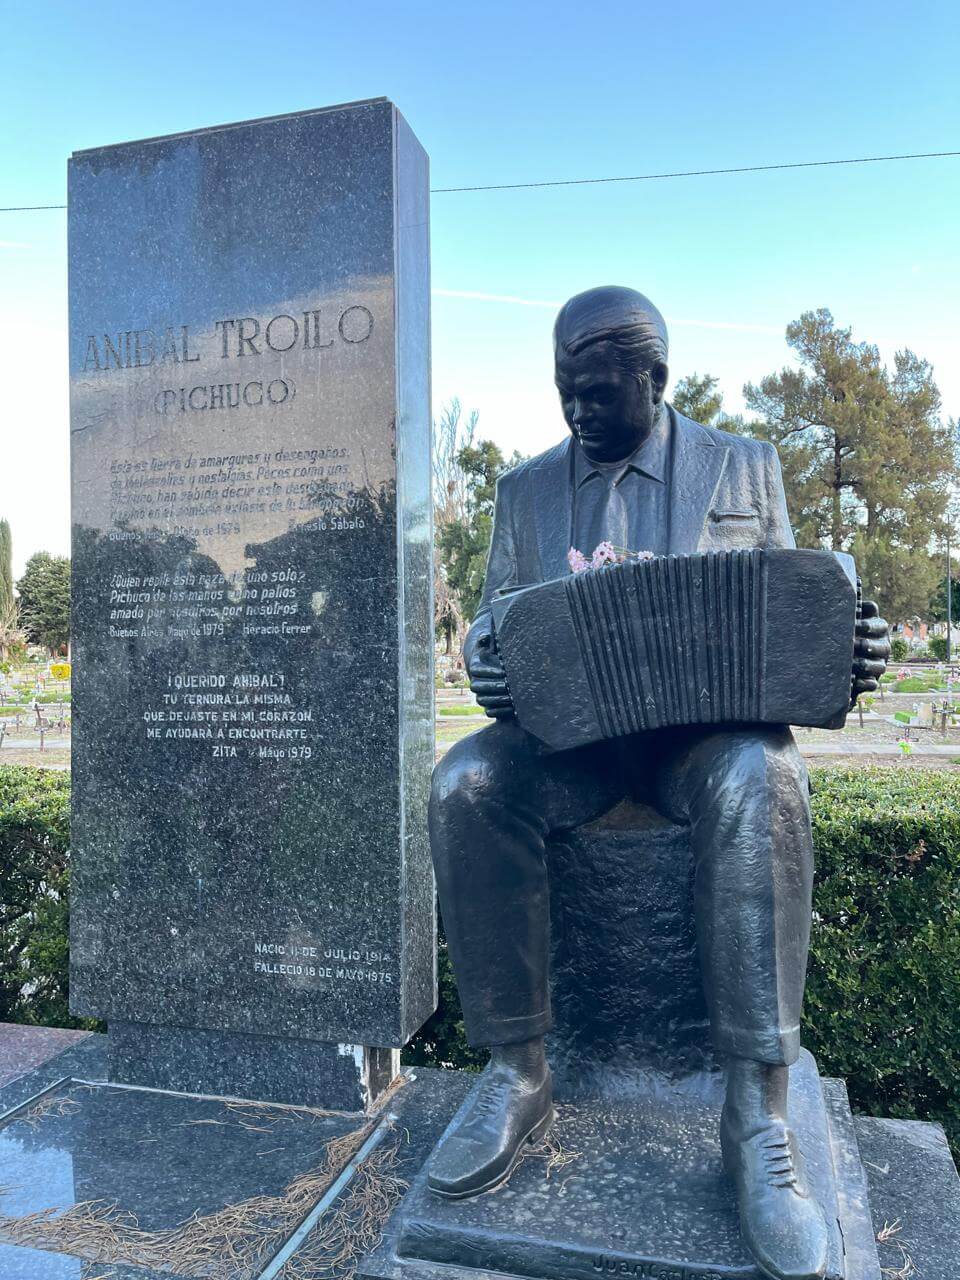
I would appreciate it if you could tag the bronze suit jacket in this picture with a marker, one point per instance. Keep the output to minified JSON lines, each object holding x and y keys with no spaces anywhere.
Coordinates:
{"x":725,"y":491}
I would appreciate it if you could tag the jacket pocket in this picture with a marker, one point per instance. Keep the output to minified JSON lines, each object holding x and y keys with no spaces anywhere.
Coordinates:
{"x":734,"y":517}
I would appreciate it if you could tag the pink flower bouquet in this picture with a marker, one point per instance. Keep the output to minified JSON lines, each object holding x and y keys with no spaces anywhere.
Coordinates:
{"x":605,"y":553}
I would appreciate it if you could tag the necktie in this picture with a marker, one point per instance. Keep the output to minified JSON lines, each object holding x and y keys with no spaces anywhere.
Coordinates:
{"x":615,"y":521}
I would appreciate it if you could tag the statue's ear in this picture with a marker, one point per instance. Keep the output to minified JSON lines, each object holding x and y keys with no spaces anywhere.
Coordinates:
{"x":658,"y":378}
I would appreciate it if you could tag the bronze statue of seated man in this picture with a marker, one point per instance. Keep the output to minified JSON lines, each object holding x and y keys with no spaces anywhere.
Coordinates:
{"x":640,"y":475}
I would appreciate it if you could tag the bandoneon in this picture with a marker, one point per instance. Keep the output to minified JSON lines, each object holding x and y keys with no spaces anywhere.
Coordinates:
{"x":726,"y":637}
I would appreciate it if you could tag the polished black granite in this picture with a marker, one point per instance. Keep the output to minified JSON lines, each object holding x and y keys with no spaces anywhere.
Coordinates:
{"x":24,"y":1047}
{"x":253,"y":702}
{"x":86,"y":1061}
{"x":147,"y":1153}
{"x":643,"y":1194}
{"x":915,"y":1190}
{"x":269,"y":1068}
{"x":37,"y":1264}
{"x":161,"y":1157}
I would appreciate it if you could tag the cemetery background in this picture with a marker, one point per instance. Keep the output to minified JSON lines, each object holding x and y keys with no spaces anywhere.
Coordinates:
{"x":887,"y":843}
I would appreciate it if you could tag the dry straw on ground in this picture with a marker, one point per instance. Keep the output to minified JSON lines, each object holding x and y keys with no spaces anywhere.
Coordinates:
{"x":905,"y":1269}
{"x":355,"y":1225}
{"x":236,"y":1241}
{"x":553,"y":1149}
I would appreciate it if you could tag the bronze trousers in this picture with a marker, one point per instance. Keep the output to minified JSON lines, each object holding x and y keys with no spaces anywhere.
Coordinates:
{"x":499,"y":795}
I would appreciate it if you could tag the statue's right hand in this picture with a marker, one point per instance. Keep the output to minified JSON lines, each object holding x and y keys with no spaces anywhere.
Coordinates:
{"x":488,"y":679}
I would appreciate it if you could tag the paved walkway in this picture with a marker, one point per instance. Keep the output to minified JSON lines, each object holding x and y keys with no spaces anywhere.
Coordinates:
{"x":22,"y":1047}
{"x":848,"y":748}
{"x":844,"y":746}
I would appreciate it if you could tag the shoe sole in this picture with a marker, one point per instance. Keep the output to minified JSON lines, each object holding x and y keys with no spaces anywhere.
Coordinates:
{"x":534,"y":1136}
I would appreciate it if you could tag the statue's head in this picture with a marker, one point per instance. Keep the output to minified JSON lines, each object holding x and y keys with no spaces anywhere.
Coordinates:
{"x":610,"y":357}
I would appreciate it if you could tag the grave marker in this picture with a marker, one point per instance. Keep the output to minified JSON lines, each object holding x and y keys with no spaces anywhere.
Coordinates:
{"x":253,"y":681}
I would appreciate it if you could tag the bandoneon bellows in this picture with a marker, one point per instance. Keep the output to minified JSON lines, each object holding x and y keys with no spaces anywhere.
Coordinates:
{"x":729,"y":637}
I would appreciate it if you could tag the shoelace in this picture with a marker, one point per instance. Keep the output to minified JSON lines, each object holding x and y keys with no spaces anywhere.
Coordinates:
{"x":778,"y":1157}
{"x":490,"y":1097}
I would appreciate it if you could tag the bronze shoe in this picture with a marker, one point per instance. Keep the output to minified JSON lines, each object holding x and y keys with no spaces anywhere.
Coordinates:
{"x":482,"y":1151}
{"x":781,"y":1223}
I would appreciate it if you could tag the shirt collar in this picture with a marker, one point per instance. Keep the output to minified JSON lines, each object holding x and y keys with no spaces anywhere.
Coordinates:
{"x":650,"y":459}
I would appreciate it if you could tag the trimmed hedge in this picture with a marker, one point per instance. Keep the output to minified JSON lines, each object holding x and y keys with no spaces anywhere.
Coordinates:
{"x":883,"y":991}
{"x":34,"y":896}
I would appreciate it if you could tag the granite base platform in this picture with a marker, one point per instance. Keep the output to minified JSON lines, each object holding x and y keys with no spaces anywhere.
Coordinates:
{"x":135,"y":1165}
{"x":637,"y":1189}
{"x":306,"y":1073}
{"x":67,"y":1136}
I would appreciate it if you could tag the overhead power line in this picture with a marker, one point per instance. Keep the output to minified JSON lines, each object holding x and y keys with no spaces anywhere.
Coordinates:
{"x":695,"y":173}
{"x":633,"y":177}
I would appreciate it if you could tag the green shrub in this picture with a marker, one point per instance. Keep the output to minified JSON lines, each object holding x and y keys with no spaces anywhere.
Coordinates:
{"x":34,"y":901}
{"x":883,"y":990}
{"x":898,"y":649}
{"x":938,"y":647}
{"x":916,"y":684}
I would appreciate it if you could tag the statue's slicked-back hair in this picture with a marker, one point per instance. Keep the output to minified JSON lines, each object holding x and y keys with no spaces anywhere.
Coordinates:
{"x":624,"y":318}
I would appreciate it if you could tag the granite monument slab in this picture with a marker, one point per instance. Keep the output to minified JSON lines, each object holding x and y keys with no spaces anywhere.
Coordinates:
{"x":253,"y":693}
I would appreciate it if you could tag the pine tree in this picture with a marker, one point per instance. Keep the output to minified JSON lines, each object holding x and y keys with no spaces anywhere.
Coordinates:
{"x":6,"y":570}
{"x":44,"y":592}
{"x":867,"y":462}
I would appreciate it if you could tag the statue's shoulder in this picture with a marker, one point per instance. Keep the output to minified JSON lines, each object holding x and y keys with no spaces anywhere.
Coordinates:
{"x":746,"y":449}
{"x":557,"y":456}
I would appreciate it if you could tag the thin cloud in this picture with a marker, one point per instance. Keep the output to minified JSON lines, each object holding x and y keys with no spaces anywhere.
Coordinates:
{"x":553,"y":305}
{"x":495,"y":297}
{"x":741,"y":326}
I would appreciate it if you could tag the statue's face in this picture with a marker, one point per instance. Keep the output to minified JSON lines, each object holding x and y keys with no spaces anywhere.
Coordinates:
{"x":611,"y":412}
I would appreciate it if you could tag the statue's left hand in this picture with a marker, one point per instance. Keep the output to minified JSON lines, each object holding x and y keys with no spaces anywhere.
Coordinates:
{"x":871,"y":649}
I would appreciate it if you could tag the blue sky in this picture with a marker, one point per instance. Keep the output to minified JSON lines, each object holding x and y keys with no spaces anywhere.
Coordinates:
{"x":524,"y":92}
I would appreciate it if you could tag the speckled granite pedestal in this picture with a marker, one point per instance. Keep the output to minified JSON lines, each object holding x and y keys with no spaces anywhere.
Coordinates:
{"x":640,"y":1191}
{"x":63,"y":1141}
{"x":643,"y":1195}
{"x":252,"y":902}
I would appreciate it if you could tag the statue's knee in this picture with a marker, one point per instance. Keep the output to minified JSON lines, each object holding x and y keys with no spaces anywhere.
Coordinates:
{"x":781,"y":764}
{"x":747,"y":768}
{"x":463,"y":778}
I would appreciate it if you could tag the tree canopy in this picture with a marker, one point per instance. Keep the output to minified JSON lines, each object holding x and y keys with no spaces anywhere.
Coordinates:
{"x":466,"y":471}
{"x":697,"y":397}
{"x":6,"y":569}
{"x":867,"y":461}
{"x":44,"y":592}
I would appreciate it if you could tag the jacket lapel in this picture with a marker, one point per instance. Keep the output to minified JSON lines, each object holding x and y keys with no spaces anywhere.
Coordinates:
{"x":698,"y":463}
{"x":551,"y":482}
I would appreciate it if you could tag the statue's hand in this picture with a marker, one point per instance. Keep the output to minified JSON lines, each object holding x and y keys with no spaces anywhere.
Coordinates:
{"x":488,"y":679}
{"x":871,"y":649}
